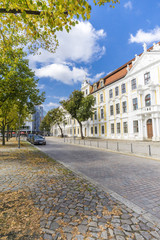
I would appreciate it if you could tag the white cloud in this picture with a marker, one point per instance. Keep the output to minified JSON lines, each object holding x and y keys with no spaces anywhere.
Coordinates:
{"x":41,"y":86}
{"x":128,"y":5}
{"x":80,"y":45}
{"x":62,"y":72}
{"x":52,"y":104}
{"x":97,"y":77}
{"x":147,"y":37}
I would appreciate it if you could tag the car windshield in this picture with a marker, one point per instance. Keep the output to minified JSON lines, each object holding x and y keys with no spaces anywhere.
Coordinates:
{"x":39,"y":137}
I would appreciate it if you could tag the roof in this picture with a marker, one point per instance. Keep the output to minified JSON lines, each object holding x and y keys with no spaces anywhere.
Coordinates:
{"x":117,"y":74}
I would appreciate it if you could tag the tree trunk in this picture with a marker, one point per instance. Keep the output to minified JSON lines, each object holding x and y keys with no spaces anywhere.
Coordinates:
{"x":80,"y":124}
{"x":3,"y":134}
{"x":7,"y":133}
{"x":60,"y":130}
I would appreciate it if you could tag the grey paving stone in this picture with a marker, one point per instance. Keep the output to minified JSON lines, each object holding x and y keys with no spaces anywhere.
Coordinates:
{"x":47,"y":237}
{"x":54,"y":226}
{"x":82,"y":229}
{"x":138,"y":236}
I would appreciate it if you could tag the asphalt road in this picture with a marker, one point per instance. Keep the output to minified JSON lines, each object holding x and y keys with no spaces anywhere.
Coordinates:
{"x":136,"y":179}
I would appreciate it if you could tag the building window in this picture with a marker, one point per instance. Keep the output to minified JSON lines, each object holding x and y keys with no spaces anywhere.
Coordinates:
{"x":86,"y":91}
{"x":135,"y":126}
{"x":112,"y":127}
{"x":135,"y":103}
{"x":124,"y":106}
{"x":110,"y":93}
{"x":146,"y":78}
{"x":92,"y":117}
{"x":148,"y":100}
{"x":101,"y":83}
{"x":102,"y":113}
{"x":111,"y":110}
{"x":125,"y":127}
{"x":101,"y":97}
{"x":102,"y":129}
{"x":117,"y":108}
{"x":91,"y":130}
{"x":123,"y":88}
{"x":133,"y":84}
{"x":118,"y":128}
{"x":117,"y":91}
{"x":95,"y":129}
{"x":95,"y":115}
{"x":95,"y":87}
{"x":71,"y":131}
{"x":74,"y":131}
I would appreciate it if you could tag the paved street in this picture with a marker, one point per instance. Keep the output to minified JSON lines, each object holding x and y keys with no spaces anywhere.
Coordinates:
{"x":136,"y":179}
{"x":41,"y":199}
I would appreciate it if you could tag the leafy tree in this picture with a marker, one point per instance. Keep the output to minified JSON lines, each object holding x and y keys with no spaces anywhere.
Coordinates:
{"x":57,"y":116}
{"x":17,"y":81}
{"x":18,"y":88}
{"x":10,"y":118}
{"x":80,"y":107}
{"x":38,"y":21}
{"x":45,"y":124}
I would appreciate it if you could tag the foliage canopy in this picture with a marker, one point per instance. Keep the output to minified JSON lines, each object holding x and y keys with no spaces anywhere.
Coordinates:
{"x":38,"y":21}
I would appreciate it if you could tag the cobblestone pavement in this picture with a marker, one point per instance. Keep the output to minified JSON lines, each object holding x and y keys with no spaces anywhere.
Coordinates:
{"x":72,"y":207}
{"x":134,"y":178}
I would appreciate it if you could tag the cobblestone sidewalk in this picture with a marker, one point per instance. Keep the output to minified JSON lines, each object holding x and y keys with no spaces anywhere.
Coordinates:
{"x":71,"y":207}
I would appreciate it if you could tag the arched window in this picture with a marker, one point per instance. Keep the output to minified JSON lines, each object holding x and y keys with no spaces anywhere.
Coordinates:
{"x":148,"y":100}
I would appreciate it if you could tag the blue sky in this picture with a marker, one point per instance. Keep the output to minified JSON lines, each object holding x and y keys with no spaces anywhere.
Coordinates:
{"x":109,"y":39}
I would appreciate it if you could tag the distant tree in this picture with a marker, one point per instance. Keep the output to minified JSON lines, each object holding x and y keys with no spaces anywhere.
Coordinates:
{"x":38,"y":21}
{"x":79,"y":107}
{"x":57,"y":116}
{"x":45,"y":124}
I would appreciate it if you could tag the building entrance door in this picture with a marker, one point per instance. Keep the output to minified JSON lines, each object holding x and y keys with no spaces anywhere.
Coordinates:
{"x":149,"y":128}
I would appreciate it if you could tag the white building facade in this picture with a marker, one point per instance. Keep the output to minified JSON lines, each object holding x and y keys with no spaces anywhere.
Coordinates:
{"x":127,"y":101}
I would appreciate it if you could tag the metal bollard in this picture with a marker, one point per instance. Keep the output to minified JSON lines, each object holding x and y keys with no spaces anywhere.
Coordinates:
{"x":149,"y":150}
{"x":117,"y":146}
{"x":131,"y":148}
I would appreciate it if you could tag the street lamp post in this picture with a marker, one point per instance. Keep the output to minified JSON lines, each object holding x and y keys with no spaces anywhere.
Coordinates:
{"x":64,"y":131}
{"x":19,"y":131}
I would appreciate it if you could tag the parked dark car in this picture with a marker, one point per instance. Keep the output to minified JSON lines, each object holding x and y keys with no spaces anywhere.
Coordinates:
{"x":29,"y":137}
{"x":37,"y":139}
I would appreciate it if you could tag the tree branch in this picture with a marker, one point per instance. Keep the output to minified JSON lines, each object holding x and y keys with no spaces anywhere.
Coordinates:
{"x":3,"y":10}
{"x":15,"y":11}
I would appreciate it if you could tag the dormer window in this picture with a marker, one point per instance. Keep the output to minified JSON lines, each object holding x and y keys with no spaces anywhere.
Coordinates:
{"x":146,"y":78}
{"x":95,"y":87}
{"x":101,"y":83}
